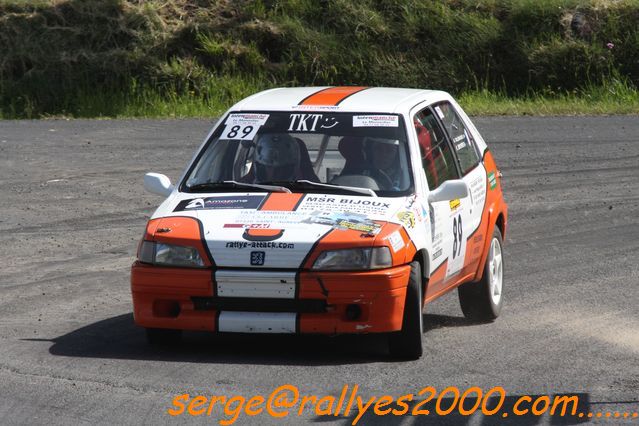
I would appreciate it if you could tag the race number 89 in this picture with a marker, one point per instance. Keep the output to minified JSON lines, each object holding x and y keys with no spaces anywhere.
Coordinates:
{"x":239,"y":132}
{"x":243,"y":126}
{"x":457,"y":236}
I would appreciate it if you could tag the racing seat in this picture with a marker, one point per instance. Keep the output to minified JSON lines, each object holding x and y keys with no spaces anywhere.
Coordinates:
{"x":305,"y":166}
{"x":351,"y":149}
{"x":425,"y":147}
{"x":352,"y":174}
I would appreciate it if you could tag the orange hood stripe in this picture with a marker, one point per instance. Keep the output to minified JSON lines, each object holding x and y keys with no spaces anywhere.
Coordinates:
{"x":275,"y":201}
{"x":331,"y":96}
{"x":280,"y":201}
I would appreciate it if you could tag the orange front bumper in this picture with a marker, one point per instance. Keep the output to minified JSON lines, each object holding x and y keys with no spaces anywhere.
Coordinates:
{"x":163,"y":298}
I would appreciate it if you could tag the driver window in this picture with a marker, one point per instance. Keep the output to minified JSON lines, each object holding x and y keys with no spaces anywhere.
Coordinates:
{"x":437,"y":158}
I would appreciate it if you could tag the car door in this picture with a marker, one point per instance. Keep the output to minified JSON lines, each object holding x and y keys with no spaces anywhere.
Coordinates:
{"x":473,"y":173}
{"x":446,"y":217}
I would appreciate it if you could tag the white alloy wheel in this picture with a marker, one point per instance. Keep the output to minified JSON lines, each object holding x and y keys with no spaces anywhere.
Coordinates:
{"x":496,"y":273}
{"x":482,"y":300}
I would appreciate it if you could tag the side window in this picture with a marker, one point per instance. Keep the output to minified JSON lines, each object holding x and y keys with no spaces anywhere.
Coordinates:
{"x":437,"y":158}
{"x":459,"y":136}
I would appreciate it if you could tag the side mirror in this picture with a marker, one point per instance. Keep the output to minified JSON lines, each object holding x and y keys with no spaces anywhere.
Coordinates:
{"x":157,"y":183}
{"x":449,"y":190}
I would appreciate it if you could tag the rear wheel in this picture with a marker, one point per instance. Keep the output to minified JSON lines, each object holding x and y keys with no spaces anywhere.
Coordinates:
{"x":407,"y":343}
{"x":163,"y":336}
{"x":482,"y":300}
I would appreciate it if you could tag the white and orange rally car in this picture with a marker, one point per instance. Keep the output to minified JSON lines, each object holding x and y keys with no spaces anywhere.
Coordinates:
{"x":325,"y":210}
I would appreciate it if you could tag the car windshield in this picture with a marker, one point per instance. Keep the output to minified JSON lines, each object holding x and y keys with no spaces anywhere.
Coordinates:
{"x":305,"y":152}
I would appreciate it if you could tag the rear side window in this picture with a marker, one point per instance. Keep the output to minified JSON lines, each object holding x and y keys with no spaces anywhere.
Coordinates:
{"x":437,"y":157}
{"x":460,"y":137}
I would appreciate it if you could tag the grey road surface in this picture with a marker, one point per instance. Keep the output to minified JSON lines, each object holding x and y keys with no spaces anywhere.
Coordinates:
{"x":73,"y":209}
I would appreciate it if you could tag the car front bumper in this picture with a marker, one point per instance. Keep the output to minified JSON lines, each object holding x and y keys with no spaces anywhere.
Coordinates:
{"x":310,"y":302}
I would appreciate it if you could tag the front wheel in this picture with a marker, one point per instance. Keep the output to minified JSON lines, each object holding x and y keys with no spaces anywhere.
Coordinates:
{"x":407,"y":343}
{"x":482,"y":300}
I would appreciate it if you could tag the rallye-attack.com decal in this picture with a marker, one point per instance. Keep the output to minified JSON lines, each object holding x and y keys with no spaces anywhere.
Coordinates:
{"x":248,"y":231}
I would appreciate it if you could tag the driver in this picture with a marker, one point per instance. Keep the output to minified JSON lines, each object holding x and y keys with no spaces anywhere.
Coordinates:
{"x":277,"y":158}
{"x":383,"y":162}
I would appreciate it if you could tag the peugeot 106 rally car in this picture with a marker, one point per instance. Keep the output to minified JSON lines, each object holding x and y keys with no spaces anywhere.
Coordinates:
{"x":325,"y":210}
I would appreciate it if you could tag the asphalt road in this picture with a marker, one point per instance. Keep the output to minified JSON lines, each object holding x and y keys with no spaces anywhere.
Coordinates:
{"x":73,"y":208}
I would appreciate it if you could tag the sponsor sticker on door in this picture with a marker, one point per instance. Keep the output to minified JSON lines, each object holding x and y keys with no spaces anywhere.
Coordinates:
{"x":492,"y":180}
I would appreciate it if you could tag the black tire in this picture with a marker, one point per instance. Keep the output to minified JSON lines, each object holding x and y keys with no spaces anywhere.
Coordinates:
{"x":163,"y":336}
{"x":407,"y":343}
{"x":475,"y":298}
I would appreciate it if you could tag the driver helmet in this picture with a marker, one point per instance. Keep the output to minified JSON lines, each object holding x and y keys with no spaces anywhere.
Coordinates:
{"x":380,"y":152}
{"x":277,"y":156}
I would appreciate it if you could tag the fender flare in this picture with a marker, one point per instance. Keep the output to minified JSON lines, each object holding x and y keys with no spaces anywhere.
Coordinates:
{"x":423,"y":257}
{"x":492,"y":222}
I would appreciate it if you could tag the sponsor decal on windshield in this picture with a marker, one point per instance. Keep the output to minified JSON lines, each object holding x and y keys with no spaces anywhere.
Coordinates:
{"x":243,"y":126}
{"x":215,"y":203}
{"x":375,"y":121}
{"x":316,"y":107}
{"x":310,"y":122}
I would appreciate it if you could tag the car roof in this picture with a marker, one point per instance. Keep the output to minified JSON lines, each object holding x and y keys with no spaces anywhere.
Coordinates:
{"x":338,"y":98}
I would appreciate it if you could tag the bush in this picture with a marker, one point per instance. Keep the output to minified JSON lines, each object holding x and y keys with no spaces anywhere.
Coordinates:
{"x":56,"y":54}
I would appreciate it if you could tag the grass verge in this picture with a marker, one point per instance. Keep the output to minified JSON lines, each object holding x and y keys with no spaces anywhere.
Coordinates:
{"x":612,"y":97}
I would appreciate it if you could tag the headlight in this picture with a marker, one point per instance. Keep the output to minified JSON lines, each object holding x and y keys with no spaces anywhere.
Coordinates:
{"x":169,"y":255}
{"x":352,"y":259}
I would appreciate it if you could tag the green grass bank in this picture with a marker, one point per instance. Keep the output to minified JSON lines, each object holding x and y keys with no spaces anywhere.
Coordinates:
{"x":178,"y":58}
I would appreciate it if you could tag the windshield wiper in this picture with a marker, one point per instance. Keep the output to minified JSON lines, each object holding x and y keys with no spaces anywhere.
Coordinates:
{"x":234,"y":184}
{"x":359,"y":190}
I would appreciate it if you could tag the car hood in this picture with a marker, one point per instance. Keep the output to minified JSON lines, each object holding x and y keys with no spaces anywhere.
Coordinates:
{"x":281,"y":230}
